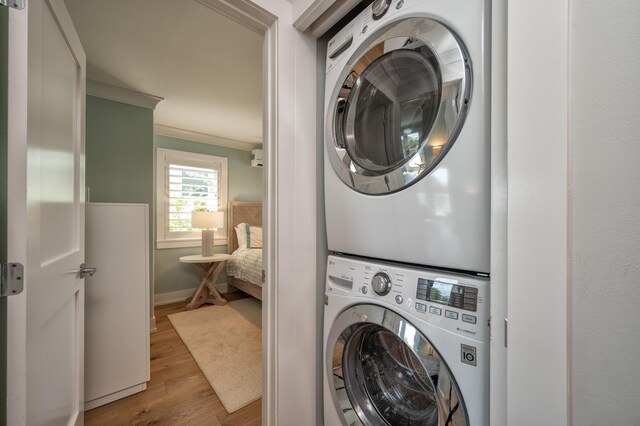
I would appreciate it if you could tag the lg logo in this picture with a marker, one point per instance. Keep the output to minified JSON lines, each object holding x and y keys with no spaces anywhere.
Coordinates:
{"x":468,"y":354}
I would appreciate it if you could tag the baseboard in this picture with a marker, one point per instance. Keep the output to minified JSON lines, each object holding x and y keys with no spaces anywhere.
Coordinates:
{"x":181,"y":295}
{"x":90,"y":405}
{"x":172,"y":297}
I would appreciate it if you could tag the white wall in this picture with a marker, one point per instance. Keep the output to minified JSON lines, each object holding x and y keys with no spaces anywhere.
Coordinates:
{"x":605,"y":211}
{"x":498,"y":365}
{"x":537,"y":213}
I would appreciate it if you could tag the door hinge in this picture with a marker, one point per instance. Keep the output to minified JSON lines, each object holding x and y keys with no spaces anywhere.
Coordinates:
{"x":16,"y":4}
{"x":264,"y":274}
{"x":11,"y":279}
{"x":87,"y":270}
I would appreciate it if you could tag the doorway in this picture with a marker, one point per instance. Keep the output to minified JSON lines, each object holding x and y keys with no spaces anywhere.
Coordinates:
{"x":208,"y":71}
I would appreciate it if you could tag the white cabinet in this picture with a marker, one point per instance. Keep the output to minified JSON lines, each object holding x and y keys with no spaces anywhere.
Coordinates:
{"x":117,"y":302}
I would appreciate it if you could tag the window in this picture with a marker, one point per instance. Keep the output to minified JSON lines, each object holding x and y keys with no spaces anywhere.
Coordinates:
{"x":185,"y":182}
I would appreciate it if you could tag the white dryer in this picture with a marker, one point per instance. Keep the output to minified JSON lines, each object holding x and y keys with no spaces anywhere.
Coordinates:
{"x":407,"y":161}
{"x":404,"y":346}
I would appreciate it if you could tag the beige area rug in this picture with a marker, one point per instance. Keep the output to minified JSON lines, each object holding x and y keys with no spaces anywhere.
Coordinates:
{"x":226,"y":343}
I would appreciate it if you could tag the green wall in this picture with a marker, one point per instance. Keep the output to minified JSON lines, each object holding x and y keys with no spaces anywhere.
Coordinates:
{"x":119,"y":152}
{"x":4,"y":32}
{"x":119,"y":157}
{"x":245,"y":184}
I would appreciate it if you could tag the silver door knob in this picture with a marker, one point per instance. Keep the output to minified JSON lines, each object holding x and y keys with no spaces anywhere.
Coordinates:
{"x":84,"y":270}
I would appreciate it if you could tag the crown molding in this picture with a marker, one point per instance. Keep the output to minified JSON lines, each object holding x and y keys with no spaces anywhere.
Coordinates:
{"x":243,"y":13}
{"x":120,"y":94}
{"x":174,"y":132}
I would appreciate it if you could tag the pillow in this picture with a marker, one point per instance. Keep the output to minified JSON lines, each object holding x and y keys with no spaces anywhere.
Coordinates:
{"x":249,"y":236}
{"x":255,"y":237}
{"x":241,"y":236}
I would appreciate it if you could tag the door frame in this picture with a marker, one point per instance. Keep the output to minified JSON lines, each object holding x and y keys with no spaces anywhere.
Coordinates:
{"x":290,"y":302}
{"x":17,"y":215}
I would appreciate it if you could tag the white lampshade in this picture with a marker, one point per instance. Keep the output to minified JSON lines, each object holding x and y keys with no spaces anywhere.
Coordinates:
{"x":207,"y":220}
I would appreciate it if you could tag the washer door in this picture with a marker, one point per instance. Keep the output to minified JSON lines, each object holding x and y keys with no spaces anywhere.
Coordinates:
{"x":383,"y":371}
{"x":398,"y":106}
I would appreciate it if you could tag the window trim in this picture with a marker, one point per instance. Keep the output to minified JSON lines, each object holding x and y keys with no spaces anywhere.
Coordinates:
{"x":162,"y":239}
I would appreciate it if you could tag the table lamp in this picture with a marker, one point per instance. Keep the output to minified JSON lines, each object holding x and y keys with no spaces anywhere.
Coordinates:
{"x":208,"y":222}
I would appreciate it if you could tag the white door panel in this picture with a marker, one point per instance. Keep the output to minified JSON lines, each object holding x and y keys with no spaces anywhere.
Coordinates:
{"x":53,"y":374}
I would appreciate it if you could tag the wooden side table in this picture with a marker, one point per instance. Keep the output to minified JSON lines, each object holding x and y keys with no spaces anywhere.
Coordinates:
{"x":209,"y":268}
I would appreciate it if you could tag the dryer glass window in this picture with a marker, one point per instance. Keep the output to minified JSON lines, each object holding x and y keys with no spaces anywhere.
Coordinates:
{"x":398,"y":106}
{"x":392,"y":108}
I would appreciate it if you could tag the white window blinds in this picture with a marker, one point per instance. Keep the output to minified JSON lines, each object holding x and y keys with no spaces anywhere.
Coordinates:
{"x":186,"y":182}
{"x":189,"y":188}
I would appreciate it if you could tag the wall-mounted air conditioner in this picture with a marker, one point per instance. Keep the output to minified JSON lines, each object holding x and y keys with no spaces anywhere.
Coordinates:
{"x":256,"y":158}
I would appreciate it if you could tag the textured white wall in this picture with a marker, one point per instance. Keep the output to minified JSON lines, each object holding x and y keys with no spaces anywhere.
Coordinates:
{"x":604,"y":123}
{"x":537,"y":213}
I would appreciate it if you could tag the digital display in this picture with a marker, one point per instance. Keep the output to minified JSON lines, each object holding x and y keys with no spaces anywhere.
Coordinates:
{"x":440,"y":292}
{"x":448,"y":294}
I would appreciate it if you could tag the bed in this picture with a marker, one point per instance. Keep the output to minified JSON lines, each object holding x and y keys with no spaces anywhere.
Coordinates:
{"x":244,"y":269}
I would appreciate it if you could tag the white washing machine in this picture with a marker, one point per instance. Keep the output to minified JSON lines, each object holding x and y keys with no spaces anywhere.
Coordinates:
{"x":407,"y":161}
{"x":404,"y":346}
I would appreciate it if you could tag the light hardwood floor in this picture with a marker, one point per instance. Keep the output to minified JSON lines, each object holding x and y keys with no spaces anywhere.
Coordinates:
{"x":178,"y":393}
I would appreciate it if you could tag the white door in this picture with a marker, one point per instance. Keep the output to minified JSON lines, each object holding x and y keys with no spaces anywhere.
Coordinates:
{"x":46,"y":324}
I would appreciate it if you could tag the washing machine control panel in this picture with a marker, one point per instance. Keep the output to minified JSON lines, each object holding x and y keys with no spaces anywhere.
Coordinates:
{"x":449,"y":293}
{"x":456,"y":302}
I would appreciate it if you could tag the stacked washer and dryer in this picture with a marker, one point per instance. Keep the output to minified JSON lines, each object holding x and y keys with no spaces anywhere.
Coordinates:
{"x":407,"y":195}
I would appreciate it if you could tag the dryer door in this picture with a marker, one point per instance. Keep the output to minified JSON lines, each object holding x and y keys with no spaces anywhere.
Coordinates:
{"x":398,"y":107}
{"x":384,"y":371}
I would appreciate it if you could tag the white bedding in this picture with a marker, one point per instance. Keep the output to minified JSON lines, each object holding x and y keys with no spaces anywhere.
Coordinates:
{"x":246,"y":264}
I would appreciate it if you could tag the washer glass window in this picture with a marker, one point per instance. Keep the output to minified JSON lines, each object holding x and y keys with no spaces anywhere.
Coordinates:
{"x":392,"y":377}
{"x":385,"y":372}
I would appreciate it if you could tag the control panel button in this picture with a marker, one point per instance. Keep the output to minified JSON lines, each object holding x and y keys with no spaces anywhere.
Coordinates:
{"x":364,"y":29}
{"x":399,"y":299}
{"x":365,"y":289}
{"x":421,"y":308}
{"x":381,"y":283}
{"x":451,"y":314}
{"x":469,"y":318}
{"x":399,"y":4}
{"x":470,"y":306}
{"x":435,"y":311}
